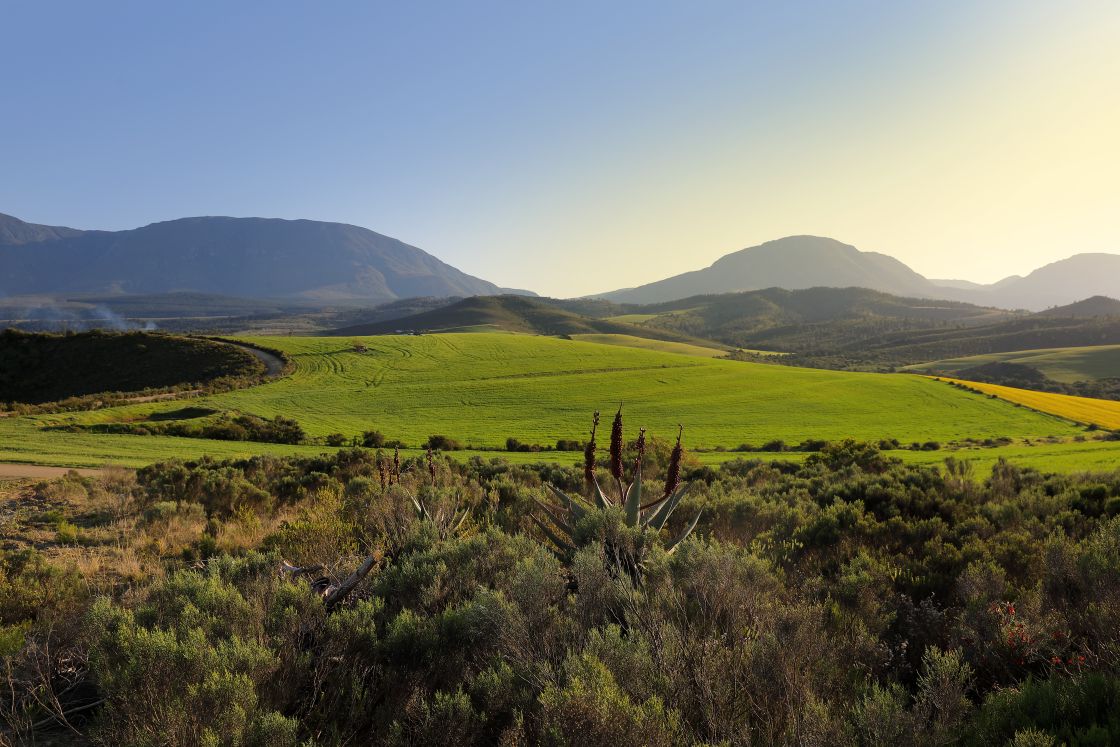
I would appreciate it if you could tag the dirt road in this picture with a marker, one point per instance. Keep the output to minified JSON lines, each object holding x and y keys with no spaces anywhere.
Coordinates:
{"x":16,"y":471}
{"x":271,"y":362}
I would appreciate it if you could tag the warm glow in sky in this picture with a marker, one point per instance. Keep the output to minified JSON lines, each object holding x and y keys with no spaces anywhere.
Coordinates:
{"x":578,"y":147}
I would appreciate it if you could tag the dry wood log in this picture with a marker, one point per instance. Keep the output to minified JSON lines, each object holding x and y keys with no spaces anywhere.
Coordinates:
{"x":331,"y":593}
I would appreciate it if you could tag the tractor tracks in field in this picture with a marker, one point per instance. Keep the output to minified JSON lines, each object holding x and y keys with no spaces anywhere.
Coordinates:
{"x":577,"y":372}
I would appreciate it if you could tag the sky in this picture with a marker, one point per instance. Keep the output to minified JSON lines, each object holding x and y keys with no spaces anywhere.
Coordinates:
{"x":577,"y":147}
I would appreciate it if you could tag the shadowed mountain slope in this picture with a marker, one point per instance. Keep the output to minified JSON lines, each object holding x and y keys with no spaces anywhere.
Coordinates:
{"x":246,"y":257}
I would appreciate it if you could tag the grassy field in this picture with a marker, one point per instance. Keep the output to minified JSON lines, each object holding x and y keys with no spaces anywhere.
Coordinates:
{"x":24,"y":442}
{"x":483,"y":388}
{"x":1067,"y":365}
{"x":664,"y":346}
{"x":1101,"y":412}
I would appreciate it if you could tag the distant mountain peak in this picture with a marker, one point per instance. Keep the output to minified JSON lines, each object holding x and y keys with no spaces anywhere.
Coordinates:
{"x":791,"y":262}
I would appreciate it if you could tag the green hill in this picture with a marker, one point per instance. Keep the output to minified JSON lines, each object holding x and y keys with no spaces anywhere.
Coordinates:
{"x":796,"y":319}
{"x":860,"y":328}
{"x":1066,"y":365}
{"x":508,"y":314}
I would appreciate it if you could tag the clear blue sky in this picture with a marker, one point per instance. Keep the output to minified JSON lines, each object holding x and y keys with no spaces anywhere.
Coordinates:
{"x":579,"y":146}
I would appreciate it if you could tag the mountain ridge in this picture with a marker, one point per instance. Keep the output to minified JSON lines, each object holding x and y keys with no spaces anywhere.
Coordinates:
{"x":243,"y":257}
{"x":802,"y":261}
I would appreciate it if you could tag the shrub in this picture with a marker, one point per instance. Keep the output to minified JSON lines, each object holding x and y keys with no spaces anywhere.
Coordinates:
{"x":373,"y":439}
{"x":443,"y":443}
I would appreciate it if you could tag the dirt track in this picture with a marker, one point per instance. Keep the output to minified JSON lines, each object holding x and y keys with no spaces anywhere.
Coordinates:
{"x":15,"y":471}
{"x":272,"y":362}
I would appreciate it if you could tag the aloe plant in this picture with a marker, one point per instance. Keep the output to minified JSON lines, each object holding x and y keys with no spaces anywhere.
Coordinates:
{"x":650,"y":514}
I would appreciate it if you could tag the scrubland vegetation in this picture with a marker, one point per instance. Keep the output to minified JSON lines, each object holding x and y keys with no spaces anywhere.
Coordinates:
{"x":850,"y":599}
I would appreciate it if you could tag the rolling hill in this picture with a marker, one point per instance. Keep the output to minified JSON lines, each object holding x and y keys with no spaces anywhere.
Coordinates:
{"x":846,"y":328}
{"x":836,"y":326}
{"x":1066,"y":365}
{"x":508,"y":314}
{"x":243,"y":257}
{"x":861,"y":329}
{"x":1087,"y":309}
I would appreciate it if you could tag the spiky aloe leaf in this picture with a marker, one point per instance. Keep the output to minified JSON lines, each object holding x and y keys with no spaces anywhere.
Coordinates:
{"x":684,"y":535}
{"x":555,"y":514}
{"x":578,"y":511}
{"x":420,"y":510}
{"x":658,"y":518}
{"x":551,"y":534}
{"x":601,"y":498}
{"x":634,"y":500}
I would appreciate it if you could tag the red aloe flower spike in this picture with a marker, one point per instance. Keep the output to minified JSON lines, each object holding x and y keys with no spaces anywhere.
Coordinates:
{"x":616,"y":447}
{"x":641,"y":451}
{"x":673,"y":474}
{"x":589,"y":453}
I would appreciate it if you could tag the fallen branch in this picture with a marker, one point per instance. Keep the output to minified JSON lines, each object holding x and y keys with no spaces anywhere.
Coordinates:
{"x":338,"y":594}
{"x":331,"y":593}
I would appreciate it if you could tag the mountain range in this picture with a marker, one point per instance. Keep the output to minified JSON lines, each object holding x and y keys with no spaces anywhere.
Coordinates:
{"x":243,"y":257}
{"x":331,"y":263}
{"x":799,"y":262}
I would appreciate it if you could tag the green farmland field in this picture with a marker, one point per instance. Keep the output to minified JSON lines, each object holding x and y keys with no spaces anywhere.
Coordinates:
{"x":1067,"y":365}
{"x":483,"y":388}
{"x":23,"y":442}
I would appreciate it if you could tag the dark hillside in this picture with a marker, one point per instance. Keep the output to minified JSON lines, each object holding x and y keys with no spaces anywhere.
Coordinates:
{"x":860,"y":328}
{"x":38,"y":368}
{"x":811,"y":319}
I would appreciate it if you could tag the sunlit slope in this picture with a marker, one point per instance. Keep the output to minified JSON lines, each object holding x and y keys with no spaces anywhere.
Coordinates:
{"x":645,"y":343}
{"x":1060,"y":364}
{"x":1101,"y":412}
{"x":483,"y":388}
